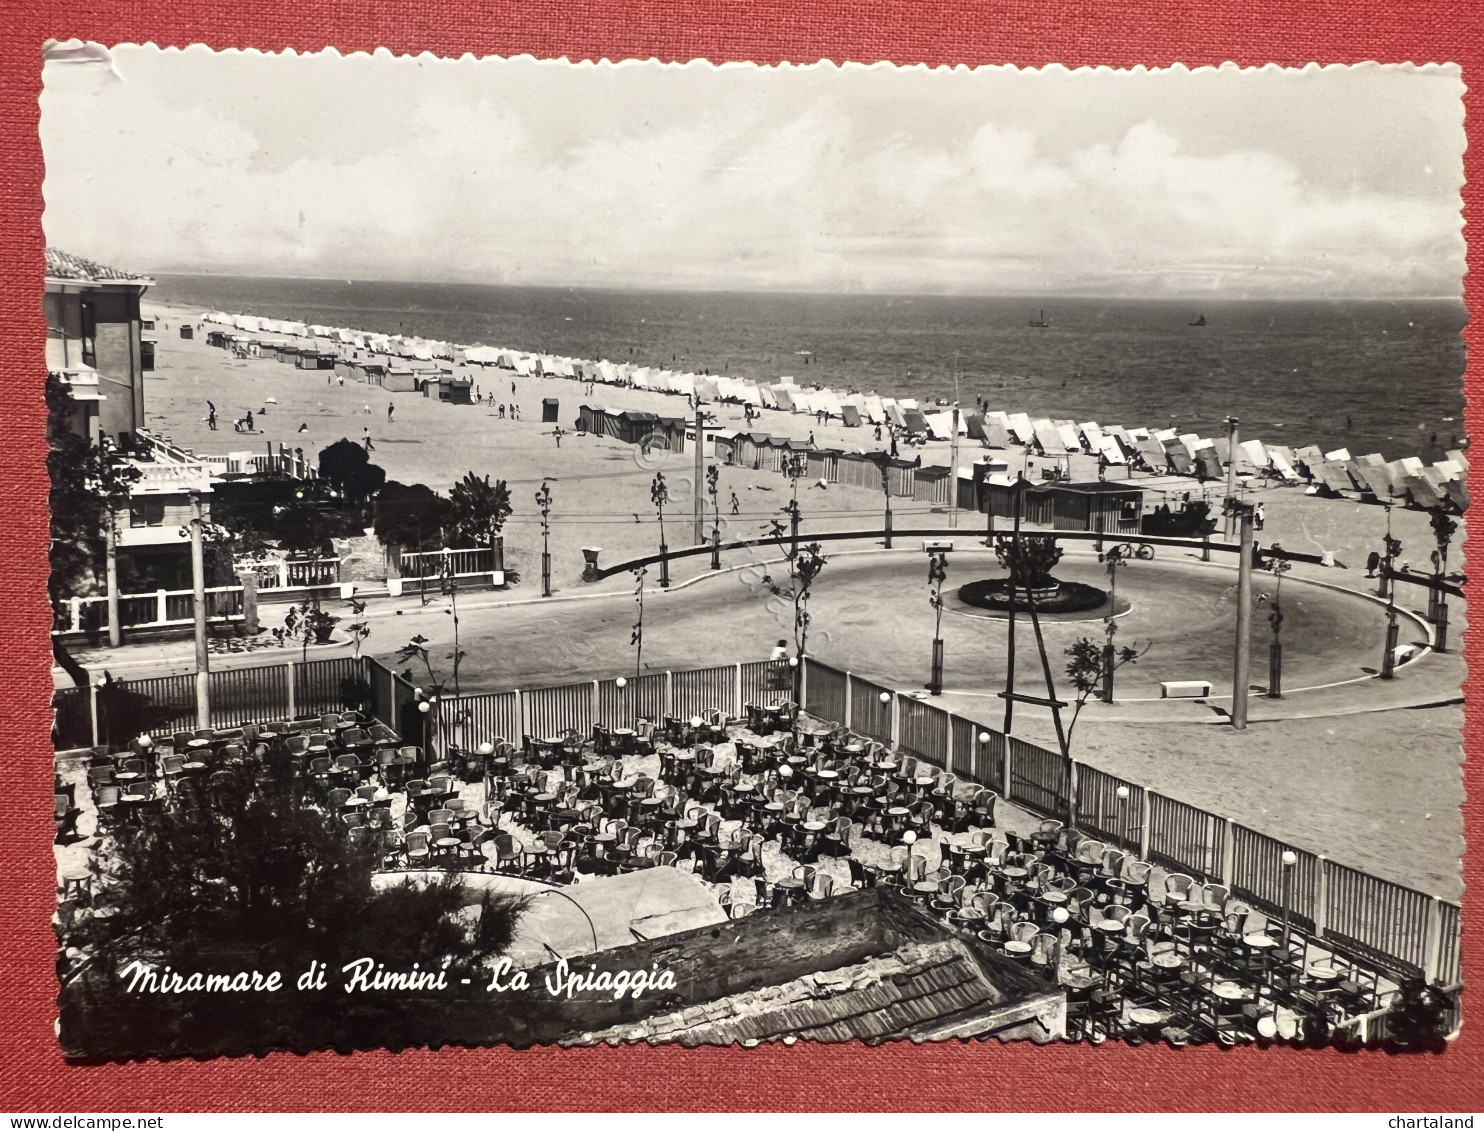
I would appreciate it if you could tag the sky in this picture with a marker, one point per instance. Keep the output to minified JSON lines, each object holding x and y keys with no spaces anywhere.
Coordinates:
{"x":1221,"y":182}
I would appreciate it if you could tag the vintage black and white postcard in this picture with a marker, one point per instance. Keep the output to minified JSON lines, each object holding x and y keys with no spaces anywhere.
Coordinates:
{"x":551,"y":553}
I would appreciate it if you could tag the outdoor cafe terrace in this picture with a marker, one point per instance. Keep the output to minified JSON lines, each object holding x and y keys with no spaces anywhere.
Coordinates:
{"x":1158,"y":920}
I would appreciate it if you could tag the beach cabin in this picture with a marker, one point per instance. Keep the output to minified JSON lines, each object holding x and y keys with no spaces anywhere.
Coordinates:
{"x":1112,"y":508}
{"x":396,"y":379}
{"x":550,"y":406}
{"x":932,"y":484}
{"x":996,"y":496}
{"x":449,"y":389}
{"x":822,"y":465}
{"x":187,"y":332}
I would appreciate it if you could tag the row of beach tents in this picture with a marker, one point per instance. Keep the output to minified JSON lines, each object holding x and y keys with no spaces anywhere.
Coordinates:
{"x":1158,"y":451}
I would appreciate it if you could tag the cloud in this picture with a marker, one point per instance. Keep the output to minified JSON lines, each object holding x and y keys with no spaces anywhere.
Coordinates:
{"x":551,"y":183}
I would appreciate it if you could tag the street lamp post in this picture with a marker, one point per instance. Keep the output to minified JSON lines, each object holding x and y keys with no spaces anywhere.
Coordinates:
{"x":659,"y":495}
{"x":1122,"y":794}
{"x":1290,"y":859}
{"x":1388,"y":584}
{"x":937,"y":574}
{"x":543,"y":500}
{"x":886,"y":490}
{"x":713,"y":484}
{"x":1113,"y":560}
{"x":1280,"y":566}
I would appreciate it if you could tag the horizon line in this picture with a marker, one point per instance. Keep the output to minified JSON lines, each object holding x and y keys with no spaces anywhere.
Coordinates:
{"x":1191,"y":297}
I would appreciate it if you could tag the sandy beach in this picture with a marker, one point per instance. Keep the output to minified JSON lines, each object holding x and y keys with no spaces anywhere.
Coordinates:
{"x":1331,"y":773}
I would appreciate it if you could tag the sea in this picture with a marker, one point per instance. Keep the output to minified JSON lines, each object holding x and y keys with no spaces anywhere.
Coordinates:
{"x":1373,"y":376}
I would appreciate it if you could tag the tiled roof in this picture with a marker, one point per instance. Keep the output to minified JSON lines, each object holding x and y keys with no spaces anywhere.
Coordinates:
{"x":64,"y":265}
{"x":918,"y":988}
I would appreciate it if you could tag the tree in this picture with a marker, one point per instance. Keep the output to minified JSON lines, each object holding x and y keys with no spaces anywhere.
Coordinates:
{"x":347,"y":468}
{"x":1030,"y":558}
{"x":1085,"y":668}
{"x":477,"y":510}
{"x":89,"y":482}
{"x":411,"y":515}
{"x":237,"y":873}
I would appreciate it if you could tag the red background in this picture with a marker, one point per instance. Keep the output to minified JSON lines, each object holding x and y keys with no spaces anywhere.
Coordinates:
{"x":33,"y":1077}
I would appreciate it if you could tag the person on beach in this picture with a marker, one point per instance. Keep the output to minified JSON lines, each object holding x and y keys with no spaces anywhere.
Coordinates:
{"x":366,"y":439}
{"x":878,"y":432}
{"x":303,"y":427}
{"x":340,"y":380}
{"x":211,"y":416}
{"x":512,"y":388}
{"x":367,"y":410}
{"x":502,"y":411}
{"x":1259,"y":516}
{"x":556,"y":434}
{"x":390,"y":408}
{"x":736,"y":507}
{"x":894,"y":446}
{"x":812,"y":444}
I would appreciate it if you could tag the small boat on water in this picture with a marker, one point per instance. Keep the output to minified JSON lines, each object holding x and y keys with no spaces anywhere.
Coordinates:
{"x":1041,"y":320}
{"x":1199,"y":321}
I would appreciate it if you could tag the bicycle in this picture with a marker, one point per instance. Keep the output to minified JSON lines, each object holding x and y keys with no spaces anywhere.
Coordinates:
{"x":1141,"y":550}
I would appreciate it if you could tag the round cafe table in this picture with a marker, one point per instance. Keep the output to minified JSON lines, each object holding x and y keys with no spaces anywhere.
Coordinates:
{"x":1109,"y":926}
{"x":199,"y":743}
{"x":814,"y":826}
{"x":886,"y":767}
{"x":1055,"y":898}
{"x":1322,"y":972}
{"x":355,"y":802}
{"x":1230,"y":991}
{"x":1168,"y":960}
{"x":828,"y":775}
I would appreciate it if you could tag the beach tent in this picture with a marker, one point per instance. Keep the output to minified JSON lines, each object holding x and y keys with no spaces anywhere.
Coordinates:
{"x":784,"y":395}
{"x":1069,"y":437}
{"x":1209,"y":462}
{"x":996,"y":435}
{"x":874,"y":410}
{"x":1334,"y":475}
{"x":913,"y":420}
{"x":1049,"y":439}
{"x":1339,"y":455}
{"x":851,"y":415}
{"x":1153,"y":454}
{"x":1020,"y":427}
{"x":768,"y":398}
{"x":1455,"y":455}
{"x":939,"y":425}
{"x":974,"y":425}
{"x":1179,"y":457}
{"x":1092,"y":434}
{"x":751,"y":394}
{"x":827,"y":401}
{"x":893,"y":412}
{"x":1111,"y":450}
{"x":1254,"y":453}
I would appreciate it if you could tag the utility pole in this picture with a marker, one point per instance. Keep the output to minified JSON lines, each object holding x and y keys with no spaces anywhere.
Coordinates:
{"x":198,"y":604}
{"x":697,"y":501}
{"x":1241,"y":668}
{"x":953,"y":457}
{"x":1231,"y":469}
{"x":111,"y":577}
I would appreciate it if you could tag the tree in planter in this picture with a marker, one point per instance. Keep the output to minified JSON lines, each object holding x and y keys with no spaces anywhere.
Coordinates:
{"x":1030,"y":558}
{"x":237,"y":874}
{"x":124,"y":715}
{"x":348,"y":470}
{"x":1086,"y":667}
{"x":478,"y":510}
{"x":410,"y":515}
{"x":357,"y":629}
{"x":416,"y":651}
{"x":306,"y":623}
